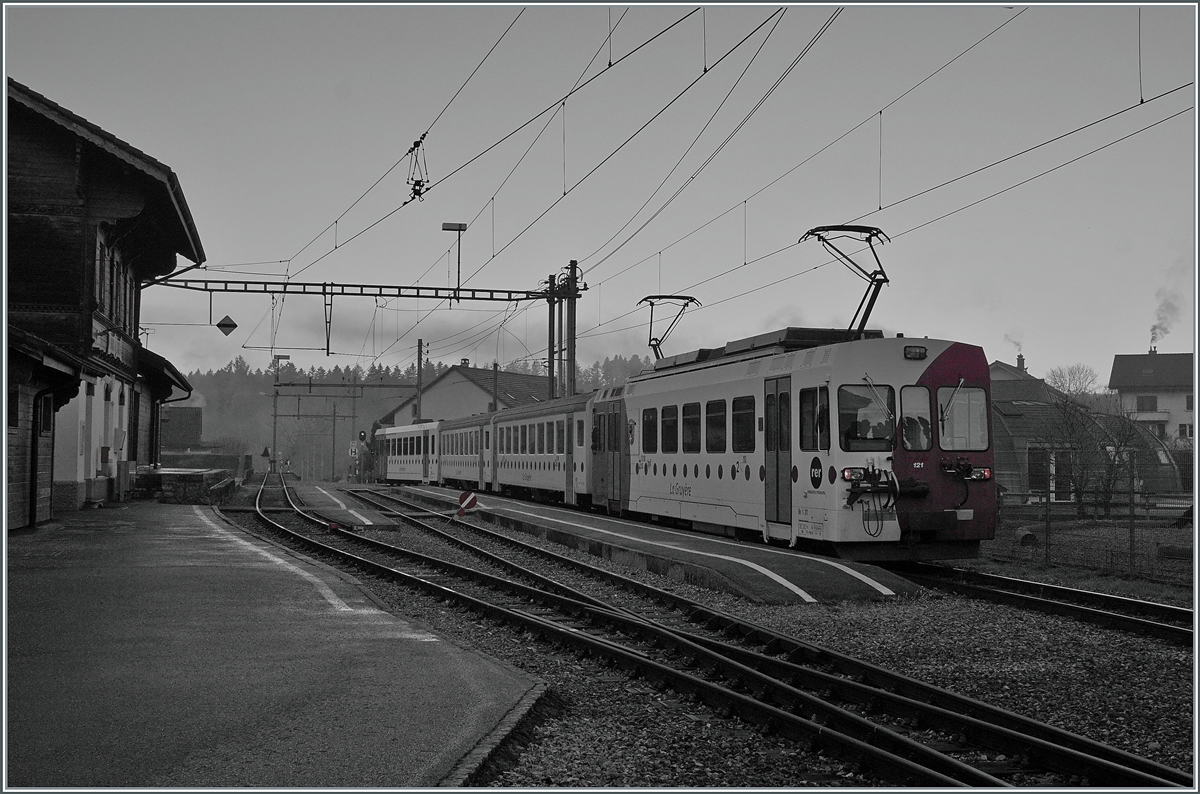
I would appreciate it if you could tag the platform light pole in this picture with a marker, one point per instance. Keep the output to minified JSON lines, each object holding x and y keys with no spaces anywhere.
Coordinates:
{"x":275,"y":415}
{"x":460,"y":228}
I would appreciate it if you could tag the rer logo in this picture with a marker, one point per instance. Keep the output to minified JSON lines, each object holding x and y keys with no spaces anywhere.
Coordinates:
{"x":816,"y":472}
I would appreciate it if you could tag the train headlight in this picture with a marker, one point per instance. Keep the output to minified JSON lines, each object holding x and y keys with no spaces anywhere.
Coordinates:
{"x":854,"y":474}
{"x":914,"y":352}
{"x":981,"y":474}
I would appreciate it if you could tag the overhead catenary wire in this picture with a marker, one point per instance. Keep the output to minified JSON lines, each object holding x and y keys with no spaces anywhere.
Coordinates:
{"x":912,"y":88}
{"x":909,"y":230}
{"x":725,"y":142}
{"x":489,"y":148}
{"x":658,"y":114}
{"x":410,"y":151}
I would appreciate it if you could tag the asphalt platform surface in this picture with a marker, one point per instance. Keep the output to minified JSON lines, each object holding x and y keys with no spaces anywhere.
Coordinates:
{"x":153,"y":645}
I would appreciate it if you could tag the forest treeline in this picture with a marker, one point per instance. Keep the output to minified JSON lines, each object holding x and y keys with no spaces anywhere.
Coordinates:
{"x":237,"y":402}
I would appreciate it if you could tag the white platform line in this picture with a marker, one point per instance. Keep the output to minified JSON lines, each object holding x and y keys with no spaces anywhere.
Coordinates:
{"x":343,"y":506}
{"x":338,"y":604}
{"x":753,"y":566}
{"x":862,"y":577}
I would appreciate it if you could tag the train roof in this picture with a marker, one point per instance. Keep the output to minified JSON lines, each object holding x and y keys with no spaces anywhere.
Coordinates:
{"x":781,"y":341}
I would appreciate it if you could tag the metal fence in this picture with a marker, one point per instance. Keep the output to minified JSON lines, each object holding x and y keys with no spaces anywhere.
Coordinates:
{"x":1149,"y":537}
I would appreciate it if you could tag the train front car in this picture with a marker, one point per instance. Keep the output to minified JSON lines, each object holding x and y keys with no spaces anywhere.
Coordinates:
{"x":911,"y":475}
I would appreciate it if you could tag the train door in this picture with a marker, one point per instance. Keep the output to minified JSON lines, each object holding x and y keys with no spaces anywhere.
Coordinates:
{"x":609,"y":449}
{"x":616,"y":429}
{"x":777,"y":495}
{"x":601,"y":470}
{"x":424,"y":456}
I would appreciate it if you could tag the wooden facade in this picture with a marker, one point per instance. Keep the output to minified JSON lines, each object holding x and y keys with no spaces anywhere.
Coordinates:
{"x":91,"y":221}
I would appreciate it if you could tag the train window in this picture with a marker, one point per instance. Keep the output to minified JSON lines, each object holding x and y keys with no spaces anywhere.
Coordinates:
{"x":823,"y":417}
{"x":649,"y":430}
{"x":579,"y":432}
{"x":962,"y":418}
{"x":865,"y":418}
{"x":814,"y":418}
{"x":714,"y":426}
{"x":916,"y":431}
{"x":541,"y":435}
{"x":508,"y":439}
{"x":670,"y":429}
{"x":487,"y":439}
{"x":785,"y":421}
{"x":598,"y":427}
{"x":524,"y":437}
{"x":691,"y":427}
{"x":614,"y":431}
{"x":743,"y":424}
{"x":771,"y":431}
{"x":560,"y":436}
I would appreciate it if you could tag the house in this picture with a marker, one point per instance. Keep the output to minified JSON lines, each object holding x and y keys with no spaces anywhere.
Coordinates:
{"x":1157,"y":390}
{"x":463,"y":390}
{"x":1046,"y":441}
{"x":91,"y":221}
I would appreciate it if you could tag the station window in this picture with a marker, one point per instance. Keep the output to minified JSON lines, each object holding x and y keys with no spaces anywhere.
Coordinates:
{"x":1147,"y":403}
{"x":962,"y":418}
{"x":743,"y":424}
{"x":649,"y":430}
{"x":714,"y":426}
{"x":916,"y":429}
{"x":670,"y":429}
{"x":865,"y":418}
{"x":691,"y":427}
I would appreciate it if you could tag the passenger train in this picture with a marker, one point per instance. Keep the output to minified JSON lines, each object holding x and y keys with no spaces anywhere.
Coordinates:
{"x":874,"y":449}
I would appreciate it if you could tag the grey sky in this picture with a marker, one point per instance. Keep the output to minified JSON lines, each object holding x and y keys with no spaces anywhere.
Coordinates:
{"x":278,"y":118}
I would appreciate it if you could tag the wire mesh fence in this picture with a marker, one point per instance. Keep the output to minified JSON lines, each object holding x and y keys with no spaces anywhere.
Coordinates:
{"x":1149,"y":536}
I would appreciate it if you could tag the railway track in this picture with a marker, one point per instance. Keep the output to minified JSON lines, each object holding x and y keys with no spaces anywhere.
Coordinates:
{"x":1144,"y":617}
{"x":799,"y":677}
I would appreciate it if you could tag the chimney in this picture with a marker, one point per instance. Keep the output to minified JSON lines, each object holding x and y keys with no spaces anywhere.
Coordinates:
{"x":1153,"y":349}
{"x":1021,"y":362}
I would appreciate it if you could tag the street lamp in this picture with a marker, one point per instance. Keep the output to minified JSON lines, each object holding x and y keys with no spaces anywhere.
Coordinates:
{"x":460,"y":228}
{"x":275,"y":413}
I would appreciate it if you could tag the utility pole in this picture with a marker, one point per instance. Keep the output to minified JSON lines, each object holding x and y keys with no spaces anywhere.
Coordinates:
{"x":571,"y":296}
{"x":550,"y":301}
{"x":333,"y":450}
{"x":273,"y":465}
{"x":420,"y":367}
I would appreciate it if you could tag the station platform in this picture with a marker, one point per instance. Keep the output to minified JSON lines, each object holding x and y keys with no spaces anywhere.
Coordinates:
{"x":758,"y":572}
{"x":155,"y":645}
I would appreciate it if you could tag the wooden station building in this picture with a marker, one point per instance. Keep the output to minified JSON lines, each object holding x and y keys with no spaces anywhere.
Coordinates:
{"x":91,"y":220}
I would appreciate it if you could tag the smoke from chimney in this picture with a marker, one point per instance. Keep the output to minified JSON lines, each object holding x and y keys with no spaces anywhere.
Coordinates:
{"x":1013,"y":342}
{"x":1166,"y":315}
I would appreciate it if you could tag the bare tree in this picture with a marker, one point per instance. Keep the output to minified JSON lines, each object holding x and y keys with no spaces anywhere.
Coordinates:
{"x":1073,"y":380}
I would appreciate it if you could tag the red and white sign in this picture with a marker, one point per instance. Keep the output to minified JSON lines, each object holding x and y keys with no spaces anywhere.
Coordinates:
{"x":466,"y":501}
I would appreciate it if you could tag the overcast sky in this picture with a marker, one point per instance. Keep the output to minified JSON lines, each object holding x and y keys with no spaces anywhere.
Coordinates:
{"x":281,"y":120}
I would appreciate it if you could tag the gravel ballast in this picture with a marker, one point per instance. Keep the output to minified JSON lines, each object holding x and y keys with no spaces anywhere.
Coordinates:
{"x":1131,"y":692}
